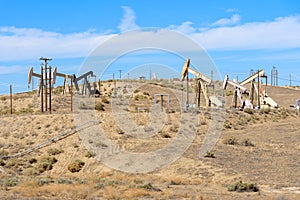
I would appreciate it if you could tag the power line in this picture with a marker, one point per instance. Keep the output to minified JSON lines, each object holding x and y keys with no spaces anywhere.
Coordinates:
{"x":285,"y":79}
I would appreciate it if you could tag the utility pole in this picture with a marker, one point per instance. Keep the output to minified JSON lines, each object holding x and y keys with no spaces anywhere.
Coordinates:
{"x":274,"y":76}
{"x":42,"y":89}
{"x":120,"y":74}
{"x":71,"y":92}
{"x":46,"y":87}
{"x":44,"y":74}
{"x":258,"y":88}
{"x":10,"y":91}
{"x":50,"y":88}
{"x":212,"y":80}
{"x":99,"y":85}
{"x":187,"y":91}
{"x":115,"y":92}
{"x":290,"y":80}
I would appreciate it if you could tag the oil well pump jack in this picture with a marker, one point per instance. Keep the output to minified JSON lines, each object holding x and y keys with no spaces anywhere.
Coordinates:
{"x":202,"y":85}
{"x":66,"y":87}
{"x":263,"y":99}
{"x":257,"y":93}
{"x":86,"y":86}
{"x":238,"y":91}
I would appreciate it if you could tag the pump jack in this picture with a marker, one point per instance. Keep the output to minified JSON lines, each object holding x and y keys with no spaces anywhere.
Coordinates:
{"x":86,"y":83}
{"x":262,"y":97}
{"x":237,"y":91}
{"x":203,"y":83}
{"x":30,"y":75}
{"x":66,"y":79}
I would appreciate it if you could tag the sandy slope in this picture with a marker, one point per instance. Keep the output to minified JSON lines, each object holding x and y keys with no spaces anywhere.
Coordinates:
{"x":272,"y":163}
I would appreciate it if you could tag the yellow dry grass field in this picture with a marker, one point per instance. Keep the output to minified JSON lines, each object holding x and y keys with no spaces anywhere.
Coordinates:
{"x":256,"y":156}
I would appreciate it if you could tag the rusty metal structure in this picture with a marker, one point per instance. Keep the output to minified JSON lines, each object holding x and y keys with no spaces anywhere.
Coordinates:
{"x":45,"y":85}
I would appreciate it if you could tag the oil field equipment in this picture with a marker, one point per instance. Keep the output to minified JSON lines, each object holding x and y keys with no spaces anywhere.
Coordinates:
{"x":201,"y":86}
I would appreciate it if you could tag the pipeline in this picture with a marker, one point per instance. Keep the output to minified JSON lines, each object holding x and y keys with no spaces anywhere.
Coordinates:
{"x":51,"y":140}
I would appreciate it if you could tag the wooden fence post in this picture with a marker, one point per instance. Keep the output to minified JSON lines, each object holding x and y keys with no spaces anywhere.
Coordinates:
{"x":10,"y":91}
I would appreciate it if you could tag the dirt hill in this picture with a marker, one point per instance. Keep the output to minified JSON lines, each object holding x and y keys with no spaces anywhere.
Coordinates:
{"x":255,"y":157}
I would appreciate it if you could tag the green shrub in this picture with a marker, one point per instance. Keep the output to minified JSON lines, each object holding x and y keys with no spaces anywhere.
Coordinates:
{"x":283,"y":113}
{"x":76,"y":166}
{"x":13,"y":162}
{"x":104,"y":100}
{"x":249,"y":111}
{"x":89,"y":154}
{"x":243,"y":187}
{"x":54,"y":151}
{"x":31,"y":171}
{"x":229,"y":92}
{"x":230,"y":141}
{"x":227,"y":125}
{"x":138,"y":181}
{"x":247,"y":142}
{"x":84,"y":106}
{"x":166,"y":135}
{"x":101,"y":145}
{"x":58,"y":90}
{"x":202,"y":122}
{"x":10,"y":182}
{"x":5,"y":111}
{"x":32,"y":160}
{"x":174,"y":183}
{"x":209,"y":154}
{"x":174,"y":128}
{"x":49,"y":159}
{"x":99,"y":185}
{"x":99,"y":107}
{"x":46,"y":163}
{"x":146,"y":93}
{"x":79,"y":181}
{"x":25,"y":110}
{"x":2,"y":163}
{"x":149,"y":186}
{"x":64,"y":181}
{"x":265,"y":111}
{"x":3,"y":98}
{"x":44,"y":166}
{"x":44,"y":181}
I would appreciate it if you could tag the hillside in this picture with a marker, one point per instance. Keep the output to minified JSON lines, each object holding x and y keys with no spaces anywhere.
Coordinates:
{"x":259,"y":147}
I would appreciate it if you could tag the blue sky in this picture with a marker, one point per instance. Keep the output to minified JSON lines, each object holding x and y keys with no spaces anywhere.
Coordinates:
{"x":238,"y":35}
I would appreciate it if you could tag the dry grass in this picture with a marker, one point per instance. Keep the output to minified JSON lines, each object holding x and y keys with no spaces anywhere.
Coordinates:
{"x":189,"y":177}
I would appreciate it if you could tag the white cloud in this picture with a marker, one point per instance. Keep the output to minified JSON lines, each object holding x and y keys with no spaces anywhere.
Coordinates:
{"x":234,"y":19}
{"x":281,"y":33}
{"x":11,"y":69}
{"x":27,"y":43}
{"x":185,"y":28}
{"x":232,"y":10}
{"x":128,"y":20}
{"x":11,"y":30}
